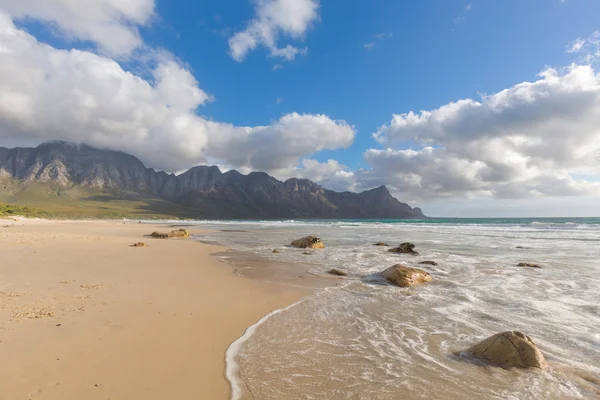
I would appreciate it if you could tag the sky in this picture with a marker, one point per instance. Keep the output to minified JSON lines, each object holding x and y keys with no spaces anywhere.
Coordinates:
{"x":463,"y":108}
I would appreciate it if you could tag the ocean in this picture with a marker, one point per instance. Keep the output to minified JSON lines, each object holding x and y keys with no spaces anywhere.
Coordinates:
{"x":361,"y":338}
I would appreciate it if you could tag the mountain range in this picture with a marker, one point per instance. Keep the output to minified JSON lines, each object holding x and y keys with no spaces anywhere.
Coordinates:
{"x":84,"y":174}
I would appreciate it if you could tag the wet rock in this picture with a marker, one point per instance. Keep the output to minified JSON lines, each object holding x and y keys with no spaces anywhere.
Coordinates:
{"x":338,"y":272}
{"x":520,"y":247}
{"x":510,"y":349}
{"x":275,"y":251}
{"x":529,"y":265}
{"x":139,"y":244}
{"x":309,"y":242}
{"x":307,"y":253}
{"x":404,"y":248}
{"x":427,"y":262}
{"x":403,"y":276}
{"x":380,"y":244}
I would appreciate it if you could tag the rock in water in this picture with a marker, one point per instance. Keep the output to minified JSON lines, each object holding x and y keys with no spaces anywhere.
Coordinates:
{"x":275,"y":251}
{"x":338,"y":272}
{"x":403,"y":276}
{"x":428,"y":263}
{"x":309,"y":242}
{"x":510,"y":349}
{"x":404,"y":248}
{"x":530,"y":265}
{"x":380,"y":244}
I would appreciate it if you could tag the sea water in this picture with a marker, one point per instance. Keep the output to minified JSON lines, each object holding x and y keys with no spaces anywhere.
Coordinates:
{"x":365,"y":339}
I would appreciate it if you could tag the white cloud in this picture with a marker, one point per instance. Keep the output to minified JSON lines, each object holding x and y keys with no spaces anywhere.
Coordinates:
{"x":331,"y":174}
{"x":288,"y":52}
{"x":587,"y":49}
{"x":576,"y":46}
{"x":534,"y":139}
{"x":274,"y":19}
{"x":459,"y":19}
{"x":377,"y":38}
{"x":47,"y":93}
{"x":112,"y":24}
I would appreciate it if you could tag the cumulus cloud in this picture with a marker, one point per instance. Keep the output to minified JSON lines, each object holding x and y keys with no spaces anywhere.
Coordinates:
{"x":274,"y":19}
{"x":112,"y":24}
{"x":47,"y":93}
{"x":534,"y":139}
{"x":331,"y":174}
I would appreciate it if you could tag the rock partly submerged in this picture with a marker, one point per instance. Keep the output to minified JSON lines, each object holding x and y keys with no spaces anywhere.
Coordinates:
{"x":308,"y":242}
{"x":338,"y":272}
{"x":510,"y":349}
{"x":404,"y":276}
{"x":404,"y":248}
{"x":427,"y":262}
{"x":381,"y":244}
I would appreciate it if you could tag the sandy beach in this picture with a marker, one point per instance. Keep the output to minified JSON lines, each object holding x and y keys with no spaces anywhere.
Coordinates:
{"x":85,"y":316}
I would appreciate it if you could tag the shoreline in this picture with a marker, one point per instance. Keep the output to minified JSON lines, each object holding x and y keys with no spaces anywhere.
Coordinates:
{"x":83,"y":315}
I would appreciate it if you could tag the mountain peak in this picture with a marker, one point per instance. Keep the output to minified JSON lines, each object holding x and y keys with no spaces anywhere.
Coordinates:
{"x":204,"y":191}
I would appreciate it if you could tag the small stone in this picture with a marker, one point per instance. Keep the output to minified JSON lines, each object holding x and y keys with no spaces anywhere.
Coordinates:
{"x":380,"y":244}
{"x":139,"y":244}
{"x":428,"y":262}
{"x":58,"y":324}
{"x":275,"y":251}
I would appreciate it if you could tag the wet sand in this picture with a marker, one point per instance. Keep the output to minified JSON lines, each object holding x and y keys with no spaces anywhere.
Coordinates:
{"x":85,"y":316}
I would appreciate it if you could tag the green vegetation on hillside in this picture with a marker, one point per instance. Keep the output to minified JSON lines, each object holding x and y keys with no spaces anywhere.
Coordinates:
{"x":11,"y":210}
{"x":77,"y":202}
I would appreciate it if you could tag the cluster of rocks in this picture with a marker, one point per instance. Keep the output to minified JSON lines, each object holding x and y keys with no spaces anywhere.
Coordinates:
{"x":178,"y":233}
{"x":510,"y":349}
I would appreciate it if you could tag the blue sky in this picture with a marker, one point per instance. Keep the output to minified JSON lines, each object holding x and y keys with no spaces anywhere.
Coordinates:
{"x":356,"y":65}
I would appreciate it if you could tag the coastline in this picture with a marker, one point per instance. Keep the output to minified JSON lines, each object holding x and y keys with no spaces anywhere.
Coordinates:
{"x":84,"y":315}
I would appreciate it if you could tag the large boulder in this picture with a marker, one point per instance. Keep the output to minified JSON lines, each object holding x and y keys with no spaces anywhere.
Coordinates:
{"x":404,"y":248}
{"x":403,"y":276}
{"x":510,"y":349}
{"x":309,"y":242}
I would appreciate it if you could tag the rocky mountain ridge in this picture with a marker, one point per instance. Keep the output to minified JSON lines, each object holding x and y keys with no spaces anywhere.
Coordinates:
{"x":208,"y":192}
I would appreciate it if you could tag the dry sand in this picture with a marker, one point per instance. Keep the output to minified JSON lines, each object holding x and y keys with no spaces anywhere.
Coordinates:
{"x":85,"y":316}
